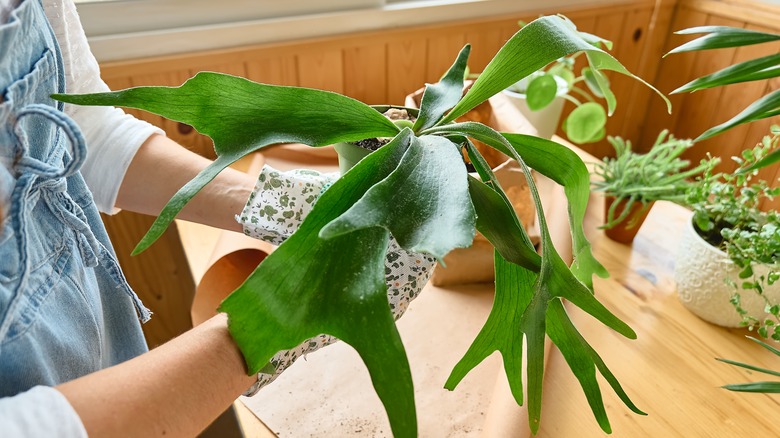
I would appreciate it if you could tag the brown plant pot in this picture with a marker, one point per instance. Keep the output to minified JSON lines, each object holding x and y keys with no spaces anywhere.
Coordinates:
{"x":625,"y":231}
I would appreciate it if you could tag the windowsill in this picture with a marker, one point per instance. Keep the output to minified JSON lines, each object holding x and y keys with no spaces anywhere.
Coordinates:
{"x":212,"y":37}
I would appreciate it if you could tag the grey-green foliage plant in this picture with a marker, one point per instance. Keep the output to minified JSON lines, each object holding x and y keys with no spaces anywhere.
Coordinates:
{"x":765,"y":67}
{"x":587,"y":122}
{"x":328,"y":277}
{"x":659,"y":174}
{"x":728,"y":215}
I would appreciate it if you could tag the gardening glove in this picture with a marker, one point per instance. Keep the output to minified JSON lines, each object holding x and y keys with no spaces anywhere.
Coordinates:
{"x":276,"y":207}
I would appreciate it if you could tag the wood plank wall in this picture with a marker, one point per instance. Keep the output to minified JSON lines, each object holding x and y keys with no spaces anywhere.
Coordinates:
{"x":384,"y":66}
{"x":695,"y":113}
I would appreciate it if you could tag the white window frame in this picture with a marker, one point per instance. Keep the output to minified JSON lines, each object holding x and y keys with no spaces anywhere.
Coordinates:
{"x":132,"y":16}
{"x":124,"y":29}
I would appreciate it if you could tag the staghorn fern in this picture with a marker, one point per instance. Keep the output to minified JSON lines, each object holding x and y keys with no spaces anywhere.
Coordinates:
{"x":332,"y":266}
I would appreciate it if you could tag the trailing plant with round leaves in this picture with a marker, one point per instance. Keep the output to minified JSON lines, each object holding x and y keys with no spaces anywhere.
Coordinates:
{"x":587,"y":122}
{"x":728,"y":215}
{"x":328,"y":277}
{"x":659,"y":174}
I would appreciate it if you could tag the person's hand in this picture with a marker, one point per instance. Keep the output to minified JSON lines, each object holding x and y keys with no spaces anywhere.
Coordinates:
{"x":276,"y":207}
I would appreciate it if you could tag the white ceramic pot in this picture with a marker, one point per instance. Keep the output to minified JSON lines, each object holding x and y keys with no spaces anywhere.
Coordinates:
{"x":546,"y":120}
{"x":700,"y":271}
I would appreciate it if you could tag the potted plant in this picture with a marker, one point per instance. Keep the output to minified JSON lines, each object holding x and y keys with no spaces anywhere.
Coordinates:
{"x":727,"y":214}
{"x":328,"y":277}
{"x":541,"y":96}
{"x":728,"y":266}
{"x":632,"y":182}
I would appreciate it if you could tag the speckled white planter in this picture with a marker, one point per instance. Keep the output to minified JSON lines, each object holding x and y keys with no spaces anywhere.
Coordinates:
{"x":700,"y":272}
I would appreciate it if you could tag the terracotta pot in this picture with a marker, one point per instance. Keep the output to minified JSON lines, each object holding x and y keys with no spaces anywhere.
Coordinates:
{"x":622,"y":232}
{"x":701,"y":271}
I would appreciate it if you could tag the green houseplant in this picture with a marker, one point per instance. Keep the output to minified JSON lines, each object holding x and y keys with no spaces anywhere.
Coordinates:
{"x":632,"y":182}
{"x":727,"y":216}
{"x":541,"y":95}
{"x":767,"y":387}
{"x":751,"y":235}
{"x":726,"y":206}
{"x":763,"y":68}
{"x":333,"y":264}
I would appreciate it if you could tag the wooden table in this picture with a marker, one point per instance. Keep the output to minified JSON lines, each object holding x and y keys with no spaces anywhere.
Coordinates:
{"x":670,"y":371}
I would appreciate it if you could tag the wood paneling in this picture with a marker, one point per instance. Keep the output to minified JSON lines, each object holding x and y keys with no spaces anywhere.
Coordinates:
{"x":405,"y":55}
{"x":442,"y":51}
{"x":641,"y":96}
{"x":384,"y":66}
{"x":365,"y":73}
{"x":323,"y":70}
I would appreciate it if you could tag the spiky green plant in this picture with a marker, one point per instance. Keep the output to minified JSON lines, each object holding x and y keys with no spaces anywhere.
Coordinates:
{"x":767,"y":386}
{"x":659,"y":174}
{"x":328,"y":277}
{"x":765,"y":67}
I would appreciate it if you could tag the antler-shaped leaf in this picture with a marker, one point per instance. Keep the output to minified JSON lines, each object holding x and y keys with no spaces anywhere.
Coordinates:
{"x":584,"y":361}
{"x":242,"y":116}
{"x":554,"y":281}
{"x":497,"y":222}
{"x":501,"y":332}
{"x":558,"y":163}
{"x":537,"y":44}
{"x":563,"y":166}
{"x":439,"y":98}
{"x":310,"y":286}
{"x":424,"y":203}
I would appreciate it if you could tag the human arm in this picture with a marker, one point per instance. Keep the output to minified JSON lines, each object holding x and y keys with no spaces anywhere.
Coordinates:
{"x":176,"y":389}
{"x":123,"y":167}
{"x":161,"y":167}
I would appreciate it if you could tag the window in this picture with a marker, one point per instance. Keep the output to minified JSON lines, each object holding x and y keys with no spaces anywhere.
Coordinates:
{"x":125,"y":29}
{"x":111,"y":17}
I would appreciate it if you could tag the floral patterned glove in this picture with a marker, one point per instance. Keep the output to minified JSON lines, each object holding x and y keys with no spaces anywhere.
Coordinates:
{"x":277,"y":206}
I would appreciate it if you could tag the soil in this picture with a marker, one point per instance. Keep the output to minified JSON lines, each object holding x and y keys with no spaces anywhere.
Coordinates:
{"x":713,"y":237}
{"x":373,"y":144}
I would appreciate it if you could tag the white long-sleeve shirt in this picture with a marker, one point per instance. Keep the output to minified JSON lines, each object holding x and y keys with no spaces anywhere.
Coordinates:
{"x":113,"y":138}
